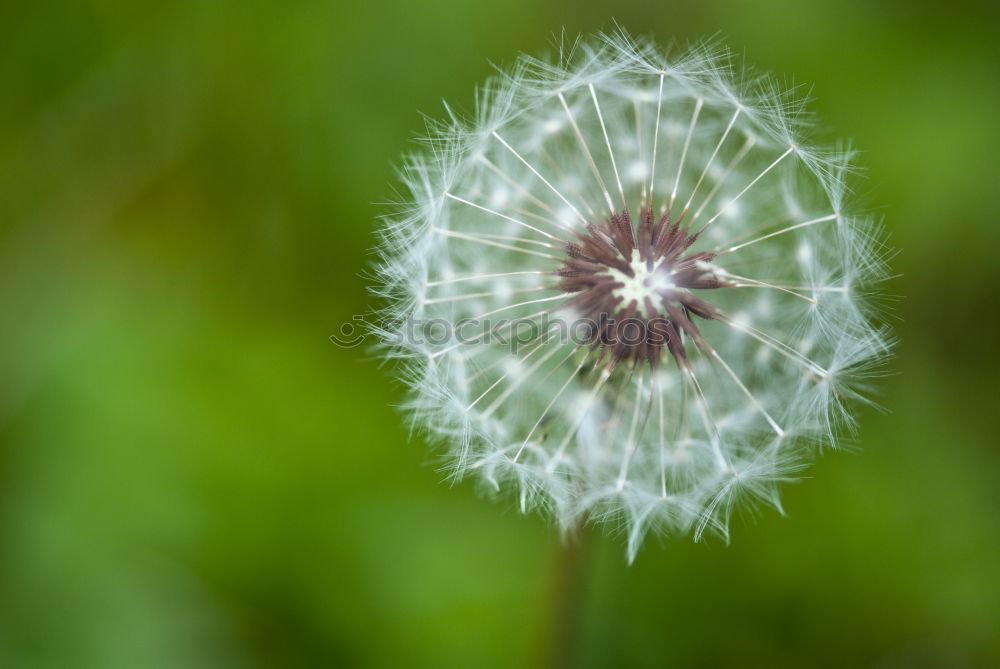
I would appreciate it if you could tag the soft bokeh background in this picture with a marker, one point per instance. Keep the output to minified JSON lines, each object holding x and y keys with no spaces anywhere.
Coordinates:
{"x":192,"y":475}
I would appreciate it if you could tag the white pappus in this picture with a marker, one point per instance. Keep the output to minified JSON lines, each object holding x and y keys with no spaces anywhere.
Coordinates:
{"x":627,"y":289}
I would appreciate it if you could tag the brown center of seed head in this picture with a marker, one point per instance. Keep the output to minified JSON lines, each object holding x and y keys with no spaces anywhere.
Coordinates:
{"x":633,"y":284}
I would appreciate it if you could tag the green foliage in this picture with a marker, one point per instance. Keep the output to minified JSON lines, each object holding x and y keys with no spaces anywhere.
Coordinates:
{"x":192,"y":475}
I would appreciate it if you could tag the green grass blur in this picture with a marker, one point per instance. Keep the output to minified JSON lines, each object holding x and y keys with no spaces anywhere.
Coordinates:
{"x":192,"y":475}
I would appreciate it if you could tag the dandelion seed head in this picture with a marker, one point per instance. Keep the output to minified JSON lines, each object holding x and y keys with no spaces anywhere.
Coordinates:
{"x":668,"y":210}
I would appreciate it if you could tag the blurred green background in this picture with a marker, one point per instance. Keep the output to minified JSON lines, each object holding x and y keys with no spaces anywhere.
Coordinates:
{"x":192,"y":475}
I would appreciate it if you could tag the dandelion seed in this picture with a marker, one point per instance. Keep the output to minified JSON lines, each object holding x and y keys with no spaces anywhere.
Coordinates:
{"x":696,"y":248}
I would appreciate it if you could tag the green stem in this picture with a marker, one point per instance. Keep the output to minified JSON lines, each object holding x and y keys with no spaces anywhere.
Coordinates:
{"x":569,"y":583}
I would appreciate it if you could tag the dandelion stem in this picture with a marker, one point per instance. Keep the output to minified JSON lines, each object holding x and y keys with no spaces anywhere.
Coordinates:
{"x":569,"y":585}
